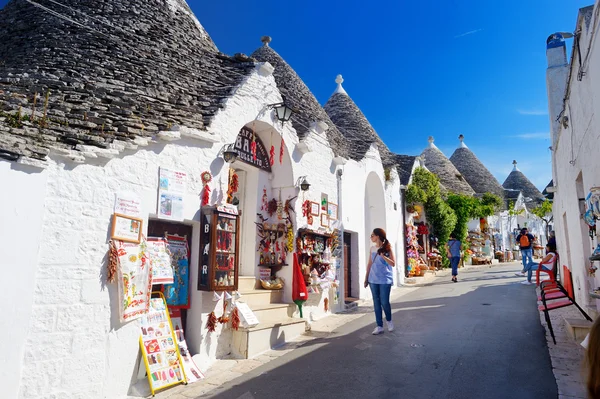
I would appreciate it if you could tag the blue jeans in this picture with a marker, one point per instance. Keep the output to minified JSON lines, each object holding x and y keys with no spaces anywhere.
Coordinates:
{"x":531,"y":268}
{"x":454,"y":261}
{"x":527,"y":254}
{"x":381,"y":299}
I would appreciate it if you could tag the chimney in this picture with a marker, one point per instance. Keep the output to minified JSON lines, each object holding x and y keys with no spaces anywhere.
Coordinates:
{"x":556,"y":79}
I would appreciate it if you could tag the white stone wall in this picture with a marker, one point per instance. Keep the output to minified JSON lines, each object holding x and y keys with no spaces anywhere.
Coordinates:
{"x":576,"y":152}
{"x":22,"y":198}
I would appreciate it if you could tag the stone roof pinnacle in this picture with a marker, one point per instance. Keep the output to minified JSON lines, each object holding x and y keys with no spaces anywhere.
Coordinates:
{"x":339,"y":80}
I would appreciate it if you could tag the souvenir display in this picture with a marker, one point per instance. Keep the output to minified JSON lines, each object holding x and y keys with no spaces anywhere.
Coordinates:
{"x":178,"y":293}
{"x":219,"y":243}
{"x":192,"y":372}
{"x":160,"y":259}
{"x":134,"y":278}
{"x":314,"y":254}
{"x":160,"y":351}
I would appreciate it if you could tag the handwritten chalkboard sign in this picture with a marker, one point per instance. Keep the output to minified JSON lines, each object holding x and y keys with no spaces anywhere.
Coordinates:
{"x":244,"y":149}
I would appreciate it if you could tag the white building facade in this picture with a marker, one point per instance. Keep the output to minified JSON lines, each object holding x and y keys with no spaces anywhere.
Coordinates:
{"x":573,"y":89}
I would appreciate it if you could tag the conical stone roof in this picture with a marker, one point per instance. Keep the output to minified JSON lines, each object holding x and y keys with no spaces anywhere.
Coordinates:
{"x":437,"y":163}
{"x":474,"y":172}
{"x":516,"y":180}
{"x":354,"y":125}
{"x":112,"y":69}
{"x":298,"y":96}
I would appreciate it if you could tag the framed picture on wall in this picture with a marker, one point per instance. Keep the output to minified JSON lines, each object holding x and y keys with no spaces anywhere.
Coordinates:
{"x":324,"y":220}
{"x":314,"y":208}
{"x":126,"y":228}
{"x":332,"y":211}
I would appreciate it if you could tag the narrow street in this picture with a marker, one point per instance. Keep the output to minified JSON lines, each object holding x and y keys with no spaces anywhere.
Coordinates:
{"x":478,"y":338}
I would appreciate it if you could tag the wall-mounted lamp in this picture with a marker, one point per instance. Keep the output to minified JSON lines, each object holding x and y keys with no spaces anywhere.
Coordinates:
{"x":303,"y":183}
{"x":282,"y":111}
{"x":229,"y":153}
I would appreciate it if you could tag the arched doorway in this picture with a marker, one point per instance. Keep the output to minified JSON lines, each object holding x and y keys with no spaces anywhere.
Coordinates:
{"x":258,"y":177}
{"x":374,"y":212}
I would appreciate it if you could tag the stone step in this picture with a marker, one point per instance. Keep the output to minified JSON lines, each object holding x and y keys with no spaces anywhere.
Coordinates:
{"x":578,"y":328}
{"x":251,"y":342}
{"x":257,"y":298}
{"x":247,"y":283}
{"x":273,"y":312}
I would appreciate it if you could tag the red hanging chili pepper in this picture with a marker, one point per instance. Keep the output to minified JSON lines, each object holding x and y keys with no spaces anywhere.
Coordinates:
{"x":272,"y":155}
{"x":281,"y":152}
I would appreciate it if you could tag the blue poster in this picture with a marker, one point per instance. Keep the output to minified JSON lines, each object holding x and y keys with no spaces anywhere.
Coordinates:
{"x":178,"y":293}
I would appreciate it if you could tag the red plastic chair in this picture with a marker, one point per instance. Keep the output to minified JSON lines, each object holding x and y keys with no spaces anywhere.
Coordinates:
{"x":552,"y":274}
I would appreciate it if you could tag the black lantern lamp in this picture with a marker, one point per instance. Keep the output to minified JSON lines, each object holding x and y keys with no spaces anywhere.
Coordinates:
{"x":303,"y":183}
{"x":230,"y":154}
{"x":282,"y":111}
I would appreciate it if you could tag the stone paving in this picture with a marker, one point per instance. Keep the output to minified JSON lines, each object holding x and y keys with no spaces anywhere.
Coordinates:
{"x":567,"y":355}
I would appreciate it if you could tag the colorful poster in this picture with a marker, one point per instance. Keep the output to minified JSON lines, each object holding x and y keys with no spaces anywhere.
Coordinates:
{"x":159,"y":347}
{"x":158,"y":253}
{"x":192,"y":372}
{"x":127,"y":203}
{"x":171,"y":189}
{"x":177,"y":294}
{"x":135,"y":283}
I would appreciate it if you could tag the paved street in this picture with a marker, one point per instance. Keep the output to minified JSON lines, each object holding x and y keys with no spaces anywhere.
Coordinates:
{"x":478,"y":338}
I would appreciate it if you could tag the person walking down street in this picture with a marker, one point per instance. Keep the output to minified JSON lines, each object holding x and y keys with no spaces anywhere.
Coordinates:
{"x":547,"y":263}
{"x":453,"y":248}
{"x":525,"y":241}
{"x":380,"y":278}
{"x":552,"y":239}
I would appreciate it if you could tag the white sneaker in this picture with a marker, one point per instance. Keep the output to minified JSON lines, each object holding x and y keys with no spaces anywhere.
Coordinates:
{"x":378,"y":330}
{"x":520,"y":274}
{"x":525,"y":282}
{"x":390,"y":325}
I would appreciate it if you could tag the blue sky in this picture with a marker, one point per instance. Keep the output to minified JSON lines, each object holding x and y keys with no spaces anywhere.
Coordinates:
{"x":418,"y":69}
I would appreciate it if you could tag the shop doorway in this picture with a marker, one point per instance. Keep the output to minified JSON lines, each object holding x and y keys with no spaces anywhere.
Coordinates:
{"x":159,"y":228}
{"x":348,"y":267}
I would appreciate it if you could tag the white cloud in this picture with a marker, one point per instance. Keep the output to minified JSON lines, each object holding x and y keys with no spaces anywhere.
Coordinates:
{"x":534,"y":112}
{"x":532,"y":136}
{"x":468,"y":33}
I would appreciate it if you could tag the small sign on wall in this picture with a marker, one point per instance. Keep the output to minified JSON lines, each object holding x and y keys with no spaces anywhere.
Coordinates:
{"x":171,"y":189}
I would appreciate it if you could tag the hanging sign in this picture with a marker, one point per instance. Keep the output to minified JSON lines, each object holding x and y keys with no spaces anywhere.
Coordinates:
{"x":135,"y":283}
{"x":171,"y":189}
{"x":178,"y":293}
{"x":160,"y":259}
{"x":159,"y":347}
{"x":205,"y":235}
{"x":243,"y":147}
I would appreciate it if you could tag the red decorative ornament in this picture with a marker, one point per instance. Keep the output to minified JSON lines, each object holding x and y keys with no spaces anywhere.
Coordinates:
{"x":281,"y":151}
{"x":224,"y":319}
{"x":272,"y":155}
{"x":206,"y":178}
{"x":422,"y":229}
{"x":205,"y":195}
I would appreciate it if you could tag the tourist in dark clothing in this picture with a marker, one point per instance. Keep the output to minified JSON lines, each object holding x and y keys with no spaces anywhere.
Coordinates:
{"x":525,"y":241}
{"x":453,"y":248}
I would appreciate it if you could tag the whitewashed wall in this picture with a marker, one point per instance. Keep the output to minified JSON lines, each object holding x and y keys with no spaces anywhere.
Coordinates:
{"x":22,"y":199}
{"x":576,"y":152}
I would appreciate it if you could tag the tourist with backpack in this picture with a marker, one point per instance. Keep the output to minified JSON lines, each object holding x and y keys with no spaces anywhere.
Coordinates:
{"x":525,"y":242}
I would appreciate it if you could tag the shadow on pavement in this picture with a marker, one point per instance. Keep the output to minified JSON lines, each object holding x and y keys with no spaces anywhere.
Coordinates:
{"x":485,"y":343}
